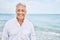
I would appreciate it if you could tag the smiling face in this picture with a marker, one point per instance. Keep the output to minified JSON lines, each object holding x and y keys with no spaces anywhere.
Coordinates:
{"x":20,"y":11}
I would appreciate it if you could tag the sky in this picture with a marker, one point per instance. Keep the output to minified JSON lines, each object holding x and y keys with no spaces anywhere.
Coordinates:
{"x":32,"y":6}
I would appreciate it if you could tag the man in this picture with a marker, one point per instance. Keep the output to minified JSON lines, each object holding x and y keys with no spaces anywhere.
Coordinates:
{"x":19,"y":28}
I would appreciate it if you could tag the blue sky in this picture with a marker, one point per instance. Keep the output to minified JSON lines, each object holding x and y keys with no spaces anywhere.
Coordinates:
{"x":33,"y":6}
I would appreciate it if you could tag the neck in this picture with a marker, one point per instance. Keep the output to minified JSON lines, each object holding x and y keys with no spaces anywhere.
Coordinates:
{"x":20,"y":21}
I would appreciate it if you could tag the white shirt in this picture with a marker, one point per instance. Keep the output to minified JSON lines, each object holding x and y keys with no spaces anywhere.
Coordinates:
{"x":13,"y":30}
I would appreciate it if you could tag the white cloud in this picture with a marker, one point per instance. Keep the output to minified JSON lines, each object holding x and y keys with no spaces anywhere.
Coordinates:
{"x":57,"y":0}
{"x":7,"y":6}
{"x":37,"y":7}
{"x":33,"y":6}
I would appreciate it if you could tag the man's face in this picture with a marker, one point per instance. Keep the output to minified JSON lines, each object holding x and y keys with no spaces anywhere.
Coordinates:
{"x":20,"y":12}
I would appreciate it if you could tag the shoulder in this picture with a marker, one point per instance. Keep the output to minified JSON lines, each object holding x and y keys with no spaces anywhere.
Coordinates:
{"x":9,"y":22}
{"x":28,"y":22}
{"x":30,"y":25}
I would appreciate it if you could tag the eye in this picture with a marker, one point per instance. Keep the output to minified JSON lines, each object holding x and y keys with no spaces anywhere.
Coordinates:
{"x":23,"y":10}
{"x":18,"y":10}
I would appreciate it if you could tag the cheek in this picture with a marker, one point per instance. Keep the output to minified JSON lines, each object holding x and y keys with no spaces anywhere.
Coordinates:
{"x":24,"y":13}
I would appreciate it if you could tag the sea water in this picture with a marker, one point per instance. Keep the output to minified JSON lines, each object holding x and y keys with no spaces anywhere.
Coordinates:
{"x":47,"y":26}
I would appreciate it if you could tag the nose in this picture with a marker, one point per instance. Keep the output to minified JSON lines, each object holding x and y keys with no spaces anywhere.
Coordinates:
{"x":20,"y":12}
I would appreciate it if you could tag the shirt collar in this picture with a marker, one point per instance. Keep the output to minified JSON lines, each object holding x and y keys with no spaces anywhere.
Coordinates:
{"x":22,"y":23}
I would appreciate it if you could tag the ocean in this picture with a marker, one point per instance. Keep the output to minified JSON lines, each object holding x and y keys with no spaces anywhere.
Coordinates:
{"x":47,"y":26}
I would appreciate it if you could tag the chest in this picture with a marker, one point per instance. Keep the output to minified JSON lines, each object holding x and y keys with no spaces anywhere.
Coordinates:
{"x":19,"y":30}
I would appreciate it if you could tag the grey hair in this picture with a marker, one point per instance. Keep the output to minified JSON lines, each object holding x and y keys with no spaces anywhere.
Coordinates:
{"x":20,"y":4}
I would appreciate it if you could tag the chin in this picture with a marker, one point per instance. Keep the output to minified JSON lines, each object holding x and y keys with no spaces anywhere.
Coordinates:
{"x":20,"y":18}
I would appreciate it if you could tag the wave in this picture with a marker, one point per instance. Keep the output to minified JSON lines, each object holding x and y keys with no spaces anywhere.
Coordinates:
{"x":45,"y":32}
